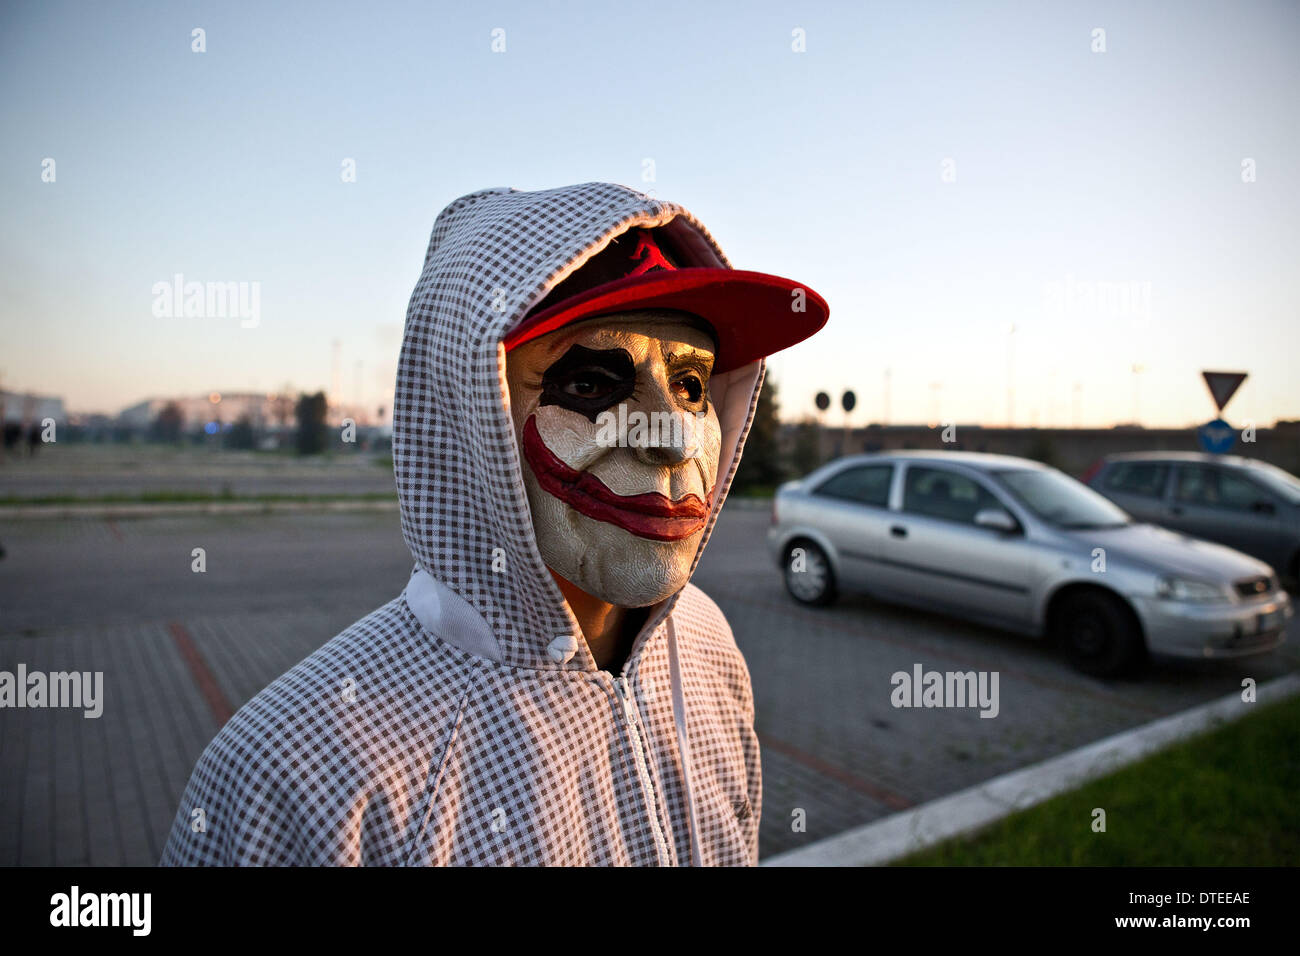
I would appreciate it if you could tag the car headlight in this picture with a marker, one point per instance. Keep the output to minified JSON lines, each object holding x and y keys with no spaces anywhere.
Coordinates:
{"x":1186,"y":589}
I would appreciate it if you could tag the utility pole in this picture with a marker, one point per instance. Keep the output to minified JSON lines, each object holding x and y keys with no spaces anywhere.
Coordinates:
{"x":336,"y":382}
{"x":888,"y":382}
{"x":1011,"y":374}
{"x":356,"y":385}
{"x":1138,"y":369}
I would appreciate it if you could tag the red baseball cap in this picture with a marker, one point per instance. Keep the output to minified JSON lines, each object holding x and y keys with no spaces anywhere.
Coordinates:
{"x":752,"y":314}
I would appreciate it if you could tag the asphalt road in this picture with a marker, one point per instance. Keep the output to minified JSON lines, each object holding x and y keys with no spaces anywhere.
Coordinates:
{"x":836,"y":753}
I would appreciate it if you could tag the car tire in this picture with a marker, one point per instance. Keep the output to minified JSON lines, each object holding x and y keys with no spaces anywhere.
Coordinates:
{"x":814,"y":582}
{"x":1100,"y":635}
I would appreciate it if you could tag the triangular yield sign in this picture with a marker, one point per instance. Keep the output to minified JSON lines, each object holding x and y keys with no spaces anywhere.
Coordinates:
{"x":1223,"y":385}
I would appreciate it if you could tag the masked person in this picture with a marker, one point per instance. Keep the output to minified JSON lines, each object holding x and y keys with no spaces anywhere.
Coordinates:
{"x":579,"y":371}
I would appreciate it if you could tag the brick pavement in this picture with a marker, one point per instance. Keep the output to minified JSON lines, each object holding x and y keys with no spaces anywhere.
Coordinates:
{"x":103,"y":791}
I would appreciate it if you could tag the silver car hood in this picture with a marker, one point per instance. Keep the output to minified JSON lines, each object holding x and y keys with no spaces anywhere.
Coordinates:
{"x":1168,"y":552}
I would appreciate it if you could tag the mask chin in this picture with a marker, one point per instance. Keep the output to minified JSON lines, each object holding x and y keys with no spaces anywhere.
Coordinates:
{"x":643,"y":590}
{"x":605,"y":561}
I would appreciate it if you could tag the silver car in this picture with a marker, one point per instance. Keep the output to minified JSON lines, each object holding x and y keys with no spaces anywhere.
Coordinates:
{"x":1016,"y":544}
{"x":1244,"y":503}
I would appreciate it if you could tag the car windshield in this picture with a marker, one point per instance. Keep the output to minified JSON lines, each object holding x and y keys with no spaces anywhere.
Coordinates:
{"x":1276,"y":480}
{"x":1060,"y":500}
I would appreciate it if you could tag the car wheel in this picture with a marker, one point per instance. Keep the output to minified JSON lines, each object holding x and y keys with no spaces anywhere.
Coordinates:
{"x":1100,"y":635}
{"x":808,"y":574}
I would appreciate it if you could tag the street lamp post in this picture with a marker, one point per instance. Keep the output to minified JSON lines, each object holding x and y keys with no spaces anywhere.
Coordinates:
{"x":1011,"y":367}
{"x":1138,"y":369}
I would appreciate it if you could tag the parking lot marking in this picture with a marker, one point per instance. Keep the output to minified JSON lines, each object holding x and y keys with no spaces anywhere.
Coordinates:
{"x":876,"y":792}
{"x":202,"y":674}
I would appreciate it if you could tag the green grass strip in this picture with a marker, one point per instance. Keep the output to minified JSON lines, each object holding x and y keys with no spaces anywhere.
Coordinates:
{"x":1228,"y":797}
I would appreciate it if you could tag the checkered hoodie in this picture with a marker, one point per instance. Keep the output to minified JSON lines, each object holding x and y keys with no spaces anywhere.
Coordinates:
{"x":439,"y":729}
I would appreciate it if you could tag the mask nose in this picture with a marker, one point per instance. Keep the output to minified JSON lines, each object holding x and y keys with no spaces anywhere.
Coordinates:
{"x":666,"y":435}
{"x":661,"y":456}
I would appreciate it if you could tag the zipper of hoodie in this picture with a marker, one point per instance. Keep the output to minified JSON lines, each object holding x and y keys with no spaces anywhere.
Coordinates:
{"x":624,"y":691}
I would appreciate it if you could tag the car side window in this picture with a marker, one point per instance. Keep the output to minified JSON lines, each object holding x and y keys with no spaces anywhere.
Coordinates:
{"x":1215,"y":488}
{"x":864,"y":485}
{"x":939,"y":493}
{"x":1146,"y":478}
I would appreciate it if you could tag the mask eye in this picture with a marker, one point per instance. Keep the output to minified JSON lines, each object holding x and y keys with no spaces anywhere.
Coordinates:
{"x":688,"y":389}
{"x":589,"y":383}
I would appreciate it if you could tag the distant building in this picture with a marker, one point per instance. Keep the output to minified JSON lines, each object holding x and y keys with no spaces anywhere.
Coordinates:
{"x":1071,"y":449}
{"x":25,"y":408}
{"x":261,"y":409}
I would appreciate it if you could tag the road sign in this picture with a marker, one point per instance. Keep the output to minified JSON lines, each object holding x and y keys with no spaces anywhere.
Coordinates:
{"x":1223,"y":385}
{"x":1217,"y":436}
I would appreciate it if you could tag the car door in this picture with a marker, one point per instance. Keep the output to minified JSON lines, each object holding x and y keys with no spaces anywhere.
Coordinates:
{"x":1139,"y":487}
{"x":937,"y":555}
{"x":852,"y":512}
{"x":1219,"y":504}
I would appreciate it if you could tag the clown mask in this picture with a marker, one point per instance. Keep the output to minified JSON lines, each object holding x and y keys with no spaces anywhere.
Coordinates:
{"x":619,"y":445}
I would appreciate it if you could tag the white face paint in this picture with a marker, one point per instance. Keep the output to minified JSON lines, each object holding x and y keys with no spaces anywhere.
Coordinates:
{"x":619,"y":498}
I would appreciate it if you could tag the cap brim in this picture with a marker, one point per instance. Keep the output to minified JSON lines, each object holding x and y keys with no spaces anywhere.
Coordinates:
{"x":754,"y":314}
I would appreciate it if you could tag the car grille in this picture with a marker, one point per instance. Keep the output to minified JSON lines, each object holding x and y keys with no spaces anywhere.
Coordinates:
{"x":1253,"y":587}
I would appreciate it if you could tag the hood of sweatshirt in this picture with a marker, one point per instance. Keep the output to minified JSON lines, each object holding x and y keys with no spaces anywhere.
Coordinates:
{"x":492,"y":257}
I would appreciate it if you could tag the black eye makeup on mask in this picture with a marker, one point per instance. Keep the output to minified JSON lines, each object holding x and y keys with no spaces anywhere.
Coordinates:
{"x":588,"y":381}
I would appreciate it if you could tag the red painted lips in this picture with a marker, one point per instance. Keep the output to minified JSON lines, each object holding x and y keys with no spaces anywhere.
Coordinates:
{"x":648,"y":515}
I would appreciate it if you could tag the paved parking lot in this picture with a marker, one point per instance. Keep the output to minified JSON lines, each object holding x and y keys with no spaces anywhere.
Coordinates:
{"x":179,"y":651}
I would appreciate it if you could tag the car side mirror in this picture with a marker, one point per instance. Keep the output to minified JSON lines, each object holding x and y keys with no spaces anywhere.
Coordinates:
{"x":996,"y":519}
{"x":1263,"y":507}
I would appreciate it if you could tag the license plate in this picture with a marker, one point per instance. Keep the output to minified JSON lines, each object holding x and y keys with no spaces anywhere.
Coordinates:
{"x":1268,"y":622}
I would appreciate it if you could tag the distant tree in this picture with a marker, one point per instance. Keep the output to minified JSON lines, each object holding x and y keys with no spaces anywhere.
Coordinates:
{"x":241,"y":435}
{"x":760,"y":465}
{"x":282,"y":405}
{"x":311,"y":424}
{"x":806,"y":455}
{"x":167,"y":426}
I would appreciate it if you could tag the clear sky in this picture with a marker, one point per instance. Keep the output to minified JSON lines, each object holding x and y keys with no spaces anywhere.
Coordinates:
{"x":939,"y":172}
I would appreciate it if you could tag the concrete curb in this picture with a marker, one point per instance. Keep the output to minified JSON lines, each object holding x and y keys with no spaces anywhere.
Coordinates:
{"x":153,"y":510}
{"x":901,"y":834}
